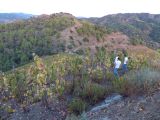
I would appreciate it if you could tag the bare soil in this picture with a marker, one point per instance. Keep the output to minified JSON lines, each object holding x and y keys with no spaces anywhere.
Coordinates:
{"x":145,"y":107}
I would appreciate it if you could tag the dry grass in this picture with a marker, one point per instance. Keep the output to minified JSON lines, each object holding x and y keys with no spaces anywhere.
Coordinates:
{"x":143,"y":81}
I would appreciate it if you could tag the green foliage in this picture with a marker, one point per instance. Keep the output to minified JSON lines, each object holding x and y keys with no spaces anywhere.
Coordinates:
{"x":140,"y":28}
{"x":119,"y":85}
{"x":87,"y":77}
{"x":137,"y":41}
{"x":89,"y":29}
{"x":144,"y":80}
{"x":137,"y":62}
{"x":77,"y":106}
{"x":39,"y":35}
{"x":97,"y":74}
{"x":155,"y":33}
{"x":137,"y":82}
{"x":92,"y":92}
{"x":17,"y":85}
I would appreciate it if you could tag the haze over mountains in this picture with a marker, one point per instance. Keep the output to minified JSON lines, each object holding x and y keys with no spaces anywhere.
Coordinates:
{"x":10,"y":17}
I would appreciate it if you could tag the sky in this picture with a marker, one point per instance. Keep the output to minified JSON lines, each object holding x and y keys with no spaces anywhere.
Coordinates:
{"x":80,"y":8}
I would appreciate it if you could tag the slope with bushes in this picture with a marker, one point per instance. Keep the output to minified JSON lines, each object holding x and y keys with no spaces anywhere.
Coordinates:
{"x":142,"y":28}
{"x":71,"y":69}
{"x":77,"y":80}
{"x":44,"y":35}
{"x":38,"y":35}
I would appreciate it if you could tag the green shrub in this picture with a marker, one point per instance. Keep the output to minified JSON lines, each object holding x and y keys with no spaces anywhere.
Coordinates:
{"x":97,"y":75}
{"x":137,"y":82}
{"x":137,"y":62}
{"x":136,"y":41}
{"x":93,"y":92}
{"x":77,"y":106}
{"x":17,"y":85}
{"x":110,"y":76}
{"x":119,"y":85}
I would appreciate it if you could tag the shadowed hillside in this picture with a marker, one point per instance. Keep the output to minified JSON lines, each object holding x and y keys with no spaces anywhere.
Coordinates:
{"x":141,"y":28}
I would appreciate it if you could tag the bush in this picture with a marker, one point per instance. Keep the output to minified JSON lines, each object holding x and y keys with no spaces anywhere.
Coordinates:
{"x":119,"y":85}
{"x":92,"y":92}
{"x":110,"y":76}
{"x":137,"y":62}
{"x":137,"y":82}
{"x":97,"y":74}
{"x":77,"y":106}
{"x":17,"y":85}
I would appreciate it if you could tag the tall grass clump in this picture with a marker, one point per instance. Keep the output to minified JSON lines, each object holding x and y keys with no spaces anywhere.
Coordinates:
{"x":77,"y":106}
{"x":142,"y":81}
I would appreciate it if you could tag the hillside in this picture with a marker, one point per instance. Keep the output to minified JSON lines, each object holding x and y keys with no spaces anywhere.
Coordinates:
{"x":46,"y":35}
{"x":56,"y":67}
{"x":38,"y":35}
{"x":52,"y":34}
{"x":56,"y":87}
{"x":141,"y":28}
{"x":11,"y":17}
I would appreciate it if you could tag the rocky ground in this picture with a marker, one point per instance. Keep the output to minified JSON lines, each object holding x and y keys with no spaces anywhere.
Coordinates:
{"x":146,"y":107}
{"x":114,"y":107}
{"x":55,"y":111}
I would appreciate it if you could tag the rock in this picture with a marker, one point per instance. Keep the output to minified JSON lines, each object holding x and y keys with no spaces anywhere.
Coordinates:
{"x":109,"y":100}
{"x":113,"y":98}
{"x":106,"y":118}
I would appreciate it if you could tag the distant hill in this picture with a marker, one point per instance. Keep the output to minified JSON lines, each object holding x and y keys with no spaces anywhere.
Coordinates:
{"x":10,"y":17}
{"x":140,"y":27}
{"x":51,"y":34}
{"x":62,"y":32}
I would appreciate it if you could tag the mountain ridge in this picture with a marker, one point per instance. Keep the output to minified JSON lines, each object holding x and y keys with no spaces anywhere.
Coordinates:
{"x":140,"y":27}
{"x":55,"y":33}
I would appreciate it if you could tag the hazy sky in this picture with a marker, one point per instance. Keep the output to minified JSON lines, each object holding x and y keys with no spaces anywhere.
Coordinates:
{"x":85,"y":8}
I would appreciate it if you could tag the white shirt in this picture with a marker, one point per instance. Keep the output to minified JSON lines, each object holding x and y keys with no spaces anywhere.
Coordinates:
{"x":115,"y":59}
{"x":125,"y":60}
{"x":117,"y":64}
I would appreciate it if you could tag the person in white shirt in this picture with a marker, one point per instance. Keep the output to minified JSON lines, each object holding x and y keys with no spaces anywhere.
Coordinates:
{"x":124,"y":66}
{"x":115,"y":59}
{"x":116,"y":67}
